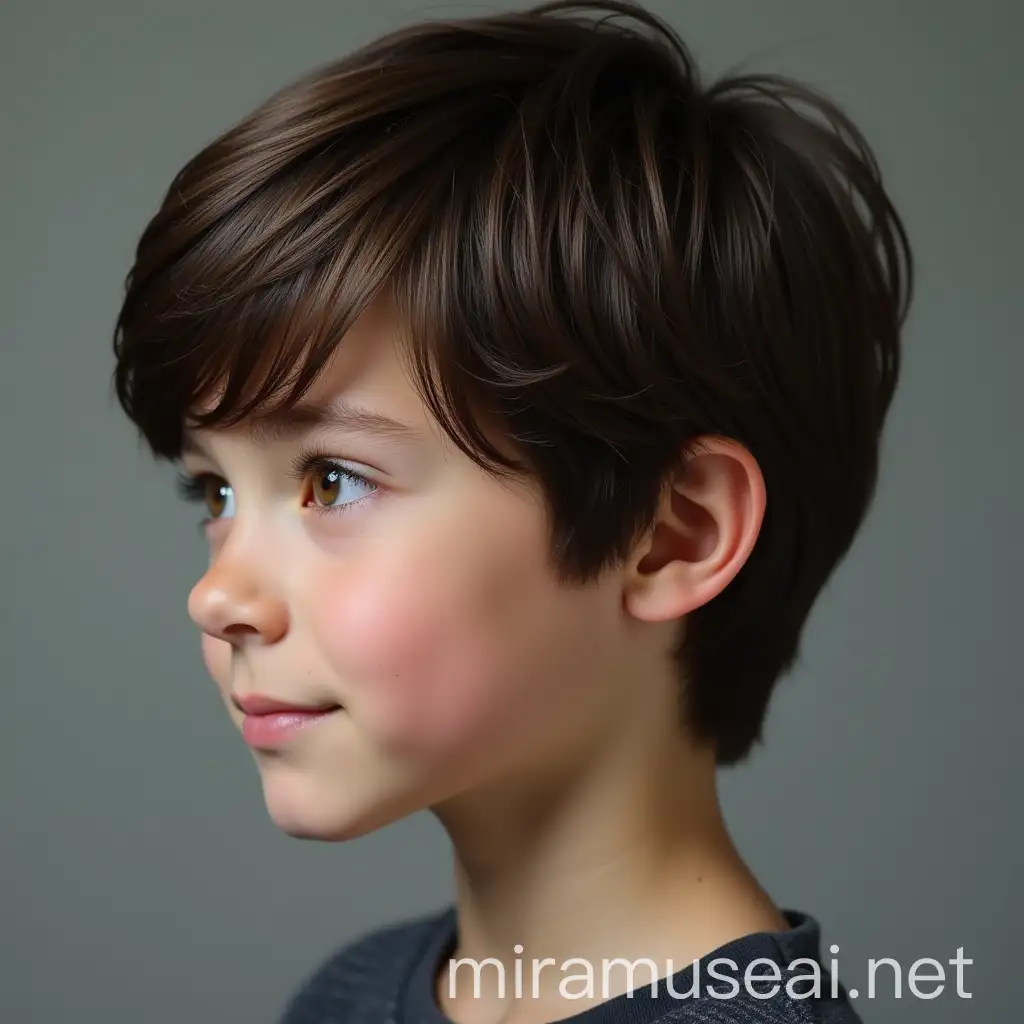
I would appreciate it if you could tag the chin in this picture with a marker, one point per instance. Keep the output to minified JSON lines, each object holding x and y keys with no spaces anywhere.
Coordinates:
{"x":302,"y":827}
{"x":307,"y":811}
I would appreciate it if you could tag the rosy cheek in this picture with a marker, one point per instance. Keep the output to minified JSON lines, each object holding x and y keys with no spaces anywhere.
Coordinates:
{"x":418,"y":665}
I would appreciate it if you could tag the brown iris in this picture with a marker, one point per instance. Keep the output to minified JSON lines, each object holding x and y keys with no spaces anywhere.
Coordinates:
{"x":215,"y":494}
{"x":326,"y":483}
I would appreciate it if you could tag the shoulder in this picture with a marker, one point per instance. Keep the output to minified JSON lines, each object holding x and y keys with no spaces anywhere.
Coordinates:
{"x":361,"y":980}
{"x":767,"y":978}
{"x":747,"y":1010}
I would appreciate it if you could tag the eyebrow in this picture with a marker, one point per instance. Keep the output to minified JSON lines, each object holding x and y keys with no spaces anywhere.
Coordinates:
{"x":284,"y":424}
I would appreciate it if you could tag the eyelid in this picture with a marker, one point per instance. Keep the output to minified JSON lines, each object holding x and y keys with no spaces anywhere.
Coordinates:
{"x":189,"y":484}
{"x":299,"y":467}
{"x":196,"y":465}
{"x":317,"y":458}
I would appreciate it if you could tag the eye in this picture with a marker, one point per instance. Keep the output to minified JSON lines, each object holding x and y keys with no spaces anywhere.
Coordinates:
{"x":330,"y":488}
{"x":333,"y":486}
{"x":210,"y":490}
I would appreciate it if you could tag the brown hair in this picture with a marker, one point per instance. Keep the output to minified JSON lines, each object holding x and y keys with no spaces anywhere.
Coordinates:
{"x":587,"y":245}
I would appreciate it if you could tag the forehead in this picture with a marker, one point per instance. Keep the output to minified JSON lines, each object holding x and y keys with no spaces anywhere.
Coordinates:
{"x":369,"y":385}
{"x":365,"y":385}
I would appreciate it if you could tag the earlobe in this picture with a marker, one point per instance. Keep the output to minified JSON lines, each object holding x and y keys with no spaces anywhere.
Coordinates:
{"x":706,"y":527}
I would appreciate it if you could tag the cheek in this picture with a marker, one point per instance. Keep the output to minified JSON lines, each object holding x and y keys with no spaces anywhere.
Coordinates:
{"x":432,"y":654}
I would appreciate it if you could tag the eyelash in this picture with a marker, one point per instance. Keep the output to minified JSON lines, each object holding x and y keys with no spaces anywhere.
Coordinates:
{"x":192,"y":486}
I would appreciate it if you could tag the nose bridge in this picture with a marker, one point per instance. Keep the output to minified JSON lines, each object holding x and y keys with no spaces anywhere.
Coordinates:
{"x":239,"y":593}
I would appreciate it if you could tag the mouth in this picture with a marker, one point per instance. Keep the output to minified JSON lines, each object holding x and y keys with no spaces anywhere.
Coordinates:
{"x":270,"y":723}
{"x":258,"y":704}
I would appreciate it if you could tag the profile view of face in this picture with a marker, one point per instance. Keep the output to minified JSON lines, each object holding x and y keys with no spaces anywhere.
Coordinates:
{"x":380,"y":614}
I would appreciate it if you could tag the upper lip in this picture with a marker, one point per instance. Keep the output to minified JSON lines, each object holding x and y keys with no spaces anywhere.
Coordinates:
{"x":258,"y":704}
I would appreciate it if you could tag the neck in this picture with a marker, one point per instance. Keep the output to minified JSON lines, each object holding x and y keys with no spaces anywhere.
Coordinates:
{"x":626,"y":855}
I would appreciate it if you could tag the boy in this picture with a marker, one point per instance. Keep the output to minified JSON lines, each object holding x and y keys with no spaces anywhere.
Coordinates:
{"x":597,"y":359}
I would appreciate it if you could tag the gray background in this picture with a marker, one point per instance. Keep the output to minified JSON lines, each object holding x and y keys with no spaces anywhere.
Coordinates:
{"x":142,"y":882}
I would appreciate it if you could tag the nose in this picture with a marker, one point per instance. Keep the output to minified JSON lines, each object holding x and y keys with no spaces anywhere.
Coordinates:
{"x":233,"y":602}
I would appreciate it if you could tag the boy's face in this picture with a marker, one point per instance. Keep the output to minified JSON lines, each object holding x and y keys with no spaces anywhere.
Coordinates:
{"x":422,"y":602}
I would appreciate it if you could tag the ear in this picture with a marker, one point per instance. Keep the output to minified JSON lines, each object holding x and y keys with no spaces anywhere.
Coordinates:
{"x":704,"y":531}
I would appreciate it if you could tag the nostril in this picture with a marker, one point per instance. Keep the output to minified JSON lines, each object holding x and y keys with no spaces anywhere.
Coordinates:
{"x":239,"y":629}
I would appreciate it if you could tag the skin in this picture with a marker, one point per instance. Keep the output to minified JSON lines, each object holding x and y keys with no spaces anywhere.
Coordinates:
{"x":538,"y":722}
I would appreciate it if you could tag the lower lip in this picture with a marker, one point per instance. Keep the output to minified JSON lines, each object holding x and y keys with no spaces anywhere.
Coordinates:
{"x":278,"y":727}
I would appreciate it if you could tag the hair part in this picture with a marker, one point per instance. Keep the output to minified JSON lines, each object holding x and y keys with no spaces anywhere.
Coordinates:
{"x":588,"y":247}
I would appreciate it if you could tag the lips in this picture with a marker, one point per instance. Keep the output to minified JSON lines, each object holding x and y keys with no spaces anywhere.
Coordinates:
{"x":257,"y":704}
{"x":270,"y":722}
